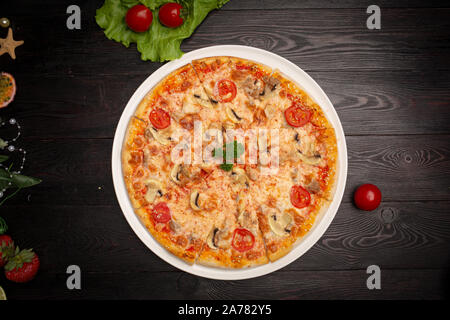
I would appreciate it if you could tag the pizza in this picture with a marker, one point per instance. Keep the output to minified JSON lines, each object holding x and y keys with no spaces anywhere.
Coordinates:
{"x":227,"y":162}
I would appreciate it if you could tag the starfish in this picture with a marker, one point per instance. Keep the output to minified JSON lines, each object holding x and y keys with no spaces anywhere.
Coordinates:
{"x":9,"y":44}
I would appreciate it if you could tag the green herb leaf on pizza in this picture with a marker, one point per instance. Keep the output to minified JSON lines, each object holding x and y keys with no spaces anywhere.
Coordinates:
{"x":158,"y":43}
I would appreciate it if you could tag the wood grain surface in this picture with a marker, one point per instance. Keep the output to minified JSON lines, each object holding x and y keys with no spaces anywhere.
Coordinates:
{"x":390,"y":88}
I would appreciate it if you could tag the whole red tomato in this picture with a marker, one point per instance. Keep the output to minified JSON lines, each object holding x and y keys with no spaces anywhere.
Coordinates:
{"x":367,"y":197}
{"x":139,"y":18}
{"x":169,"y":15}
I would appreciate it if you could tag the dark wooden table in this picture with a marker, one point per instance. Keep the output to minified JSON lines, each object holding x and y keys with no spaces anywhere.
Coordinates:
{"x":390,"y":88}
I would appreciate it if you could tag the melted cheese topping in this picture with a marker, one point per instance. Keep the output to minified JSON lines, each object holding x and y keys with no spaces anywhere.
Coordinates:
{"x":204,"y":197}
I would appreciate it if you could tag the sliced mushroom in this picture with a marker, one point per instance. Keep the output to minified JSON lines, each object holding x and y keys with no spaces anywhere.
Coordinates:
{"x":194,"y":200}
{"x":270,"y":110}
{"x":271,"y":82}
{"x":208,"y":167}
{"x":252,"y":173}
{"x":146,"y":157}
{"x":312,"y":160}
{"x":227,"y":125}
{"x":211,"y":240}
{"x":253,"y":87}
{"x":294,"y":173}
{"x":190,"y":108}
{"x":159,"y":136}
{"x":264,"y":150}
{"x":259,"y":116}
{"x":177,"y":115}
{"x":202,"y":99}
{"x":174,"y":226}
{"x":243,"y":216}
{"x":238,"y":175}
{"x":280,"y":226}
{"x":154,"y":189}
{"x":232,"y":115}
{"x":175,"y":173}
{"x":313,"y":186}
{"x":148,"y":134}
{"x":241,"y":204}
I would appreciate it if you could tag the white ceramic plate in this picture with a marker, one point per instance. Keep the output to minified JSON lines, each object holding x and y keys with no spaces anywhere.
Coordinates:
{"x":274,"y":61}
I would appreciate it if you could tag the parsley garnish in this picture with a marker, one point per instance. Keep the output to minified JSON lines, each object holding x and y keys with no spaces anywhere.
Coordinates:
{"x":238,"y":150}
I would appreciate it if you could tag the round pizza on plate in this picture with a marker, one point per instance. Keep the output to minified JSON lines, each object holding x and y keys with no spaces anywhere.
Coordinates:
{"x":228,"y":162}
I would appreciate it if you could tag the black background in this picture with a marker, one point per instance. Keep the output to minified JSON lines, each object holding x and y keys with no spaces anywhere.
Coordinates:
{"x":390,"y":88}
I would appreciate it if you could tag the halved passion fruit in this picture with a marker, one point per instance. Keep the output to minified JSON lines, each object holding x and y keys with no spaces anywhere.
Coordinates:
{"x":7,"y":89}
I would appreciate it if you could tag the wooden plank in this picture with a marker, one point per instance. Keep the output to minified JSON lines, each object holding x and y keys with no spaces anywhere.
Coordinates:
{"x":332,"y":4}
{"x":405,"y":168}
{"x":375,"y":102}
{"x":314,"y":39}
{"x":380,"y":103}
{"x":398,"y":235}
{"x":395,"y":284}
{"x":78,"y":107}
{"x":389,"y":87}
{"x":318,"y":39}
{"x":270,"y":4}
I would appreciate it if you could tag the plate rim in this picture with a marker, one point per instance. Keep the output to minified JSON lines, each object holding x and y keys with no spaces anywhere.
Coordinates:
{"x":318,"y":229}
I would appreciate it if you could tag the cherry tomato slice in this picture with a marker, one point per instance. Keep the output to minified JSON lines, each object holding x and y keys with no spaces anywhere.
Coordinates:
{"x":300,"y":197}
{"x":367,"y":197}
{"x":161,"y":213}
{"x":169,"y":15}
{"x":139,"y":18}
{"x":225,"y":90}
{"x":243,"y":240}
{"x":159,"y":118}
{"x":297,"y":116}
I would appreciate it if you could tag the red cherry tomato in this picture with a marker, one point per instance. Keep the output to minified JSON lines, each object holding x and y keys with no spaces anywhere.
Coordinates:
{"x":297,"y":116}
{"x":300,"y":197}
{"x":139,"y":18}
{"x":367,"y":197}
{"x":243,"y":240}
{"x":169,"y":15}
{"x":159,"y":118}
{"x":225,"y":90}
{"x":161,"y":213}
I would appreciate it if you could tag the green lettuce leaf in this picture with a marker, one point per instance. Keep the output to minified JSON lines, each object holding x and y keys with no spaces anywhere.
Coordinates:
{"x":159,"y":43}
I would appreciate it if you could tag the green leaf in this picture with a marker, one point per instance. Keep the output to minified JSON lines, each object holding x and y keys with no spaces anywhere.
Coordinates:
{"x":154,"y":4}
{"x":3,"y":144}
{"x":3,"y":158}
{"x":159,"y":43}
{"x":4,"y":178}
{"x":238,"y":150}
{"x":3,"y":226}
{"x":129,"y":3}
{"x":18,"y":180}
{"x":226,"y":166}
{"x":21,"y":181}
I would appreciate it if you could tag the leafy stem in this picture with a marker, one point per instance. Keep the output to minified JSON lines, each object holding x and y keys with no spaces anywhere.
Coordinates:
{"x":9,"y":180}
{"x":10,"y":195}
